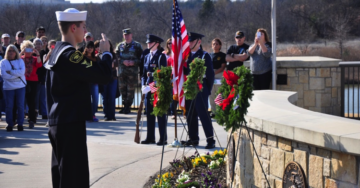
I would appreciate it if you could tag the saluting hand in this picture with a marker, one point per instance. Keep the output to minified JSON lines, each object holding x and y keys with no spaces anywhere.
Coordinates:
{"x":104,"y":44}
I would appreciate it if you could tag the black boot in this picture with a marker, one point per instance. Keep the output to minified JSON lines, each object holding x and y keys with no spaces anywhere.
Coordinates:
{"x":124,"y":108}
{"x":127,"y":109}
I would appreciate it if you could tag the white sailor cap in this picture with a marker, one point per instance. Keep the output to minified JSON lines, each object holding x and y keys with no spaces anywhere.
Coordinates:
{"x":71,"y":15}
{"x":5,"y":35}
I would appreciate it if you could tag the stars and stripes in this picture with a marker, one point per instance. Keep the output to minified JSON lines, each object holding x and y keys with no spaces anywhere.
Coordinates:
{"x":153,"y":89}
{"x":218,"y":100}
{"x":180,"y":53}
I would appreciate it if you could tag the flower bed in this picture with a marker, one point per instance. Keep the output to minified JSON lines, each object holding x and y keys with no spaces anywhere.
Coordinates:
{"x":205,"y":171}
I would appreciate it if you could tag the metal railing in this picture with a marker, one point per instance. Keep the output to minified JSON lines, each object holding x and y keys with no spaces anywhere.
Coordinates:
{"x":350,"y":89}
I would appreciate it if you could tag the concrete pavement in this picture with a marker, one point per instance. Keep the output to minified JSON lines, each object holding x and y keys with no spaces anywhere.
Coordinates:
{"x":114,"y":159}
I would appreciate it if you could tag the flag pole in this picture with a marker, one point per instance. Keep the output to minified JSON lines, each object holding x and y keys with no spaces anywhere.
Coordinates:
{"x":176,"y":142}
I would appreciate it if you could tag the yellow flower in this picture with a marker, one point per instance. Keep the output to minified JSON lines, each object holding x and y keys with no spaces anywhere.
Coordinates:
{"x":215,"y":152}
{"x":158,"y":175}
{"x":225,"y":151}
{"x":221,"y":152}
{"x":171,"y":174}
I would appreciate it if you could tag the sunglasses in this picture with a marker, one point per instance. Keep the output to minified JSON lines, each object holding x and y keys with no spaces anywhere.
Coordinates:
{"x":169,"y":43}
{"x":21,"y":36}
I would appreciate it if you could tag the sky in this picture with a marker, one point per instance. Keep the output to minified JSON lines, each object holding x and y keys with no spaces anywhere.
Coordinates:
{"x":86,"y":1}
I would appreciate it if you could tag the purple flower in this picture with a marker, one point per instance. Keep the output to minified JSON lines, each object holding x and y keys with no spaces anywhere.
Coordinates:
{"x":209,"y":173}
{"x":202,"y":174}
{"x":207,"y":153}
{"x":219,"y":185}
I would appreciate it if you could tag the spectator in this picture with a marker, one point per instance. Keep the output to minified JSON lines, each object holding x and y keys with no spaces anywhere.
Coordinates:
{"x":40,"y":31}
{"x":32,"y":63}
{"x":167,"y":52}
{"x":260,"y":60}
{"x":5,"y":39}
{"x":2,"y":51}
{"x":38,"y":45}
{"x":129,"y":53}
{"x":13,"y":71}
{"x":109,"y":92}
{"x":219,"y":64}
{"x":20,"y":36}
{"x":89,"y":52}
{"x":236,"y":54}
{"x":88,"y":37}
{"x":44,"y":50}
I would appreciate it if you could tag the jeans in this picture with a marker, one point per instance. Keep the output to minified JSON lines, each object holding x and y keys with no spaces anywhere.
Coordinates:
{"x":94,"y":89}
{"x":19,"y":95}
{"x":109,"y":99}
{"x":42,"y":99}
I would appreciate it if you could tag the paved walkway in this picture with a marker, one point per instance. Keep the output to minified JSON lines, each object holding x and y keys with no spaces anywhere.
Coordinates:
{"x":114,"y":159}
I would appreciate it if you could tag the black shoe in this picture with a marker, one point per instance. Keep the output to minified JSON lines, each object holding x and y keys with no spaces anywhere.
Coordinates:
{"x":107,"y":119}
{"x":127,"y":110}
{"x":189,"y":143}
{"x":20,"y":128}
{"x":113,"y":119}
{"x":122,"y":111}
{"x":148,"y":142}
{"x":31,"y":124}
{"x":44,"y":117}
{"x":160,"y":143}
{"x":9,"y":129}
{"x":210,"y":146}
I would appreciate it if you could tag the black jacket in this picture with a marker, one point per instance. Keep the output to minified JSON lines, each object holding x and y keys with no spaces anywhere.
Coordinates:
{"x":67,"y":84}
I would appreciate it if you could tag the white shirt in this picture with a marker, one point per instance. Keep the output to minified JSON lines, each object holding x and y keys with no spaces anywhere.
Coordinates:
{"x":16,"y":78}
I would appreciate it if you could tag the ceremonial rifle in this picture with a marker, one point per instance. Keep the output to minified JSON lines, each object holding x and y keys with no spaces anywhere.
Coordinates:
{"x":137,"y":133}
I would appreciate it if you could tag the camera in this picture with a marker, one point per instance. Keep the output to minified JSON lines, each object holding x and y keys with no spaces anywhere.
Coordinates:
{"x":28,"y":50}
{"x":258,"y":34}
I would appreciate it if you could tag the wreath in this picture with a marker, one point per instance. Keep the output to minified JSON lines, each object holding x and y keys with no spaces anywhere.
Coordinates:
{"x":193,"y":85}
{"x":162,"y":97}
{"x":237,"y":87}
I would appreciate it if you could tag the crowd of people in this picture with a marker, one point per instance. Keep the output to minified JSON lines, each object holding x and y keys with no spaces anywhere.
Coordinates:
{"x":23,"y":74}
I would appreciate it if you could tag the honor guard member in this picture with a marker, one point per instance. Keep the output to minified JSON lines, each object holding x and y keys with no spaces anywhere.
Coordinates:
{"x":199,"y":107}
{"x":68,"y":99}
{"x":129,"y":53}
{"x":155,"y":59}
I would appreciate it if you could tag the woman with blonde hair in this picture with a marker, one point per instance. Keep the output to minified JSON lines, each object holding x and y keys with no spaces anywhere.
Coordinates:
{"x":13,"y":72}
{"x":260,"y":60}
{"x":32,"y":63}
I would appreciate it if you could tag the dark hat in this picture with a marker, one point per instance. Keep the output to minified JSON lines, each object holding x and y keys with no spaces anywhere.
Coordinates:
{"x":239,"y":34}
{"x":193,"y":36}
{"x":40,"y":28}
{"x":127,"y":31}
{"x":20,"y":32}
{"x":152,"y":38}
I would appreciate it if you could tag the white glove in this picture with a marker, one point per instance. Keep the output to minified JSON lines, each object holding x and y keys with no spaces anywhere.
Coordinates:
{"x":145,"y":89}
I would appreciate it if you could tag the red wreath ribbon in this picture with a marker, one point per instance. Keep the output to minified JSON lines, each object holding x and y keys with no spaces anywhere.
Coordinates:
{"x":231,"y":79}
{"x":199,"y":85}
{"x":156,"y":98}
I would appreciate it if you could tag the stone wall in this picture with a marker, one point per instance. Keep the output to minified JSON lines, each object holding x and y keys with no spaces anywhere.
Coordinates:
{"x":322,"y":167}
{"x":318,"y":89}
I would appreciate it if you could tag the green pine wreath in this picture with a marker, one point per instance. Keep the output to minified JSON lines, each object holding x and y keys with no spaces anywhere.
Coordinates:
{"x":162,"y":78}
{"x":197,"y":71}
{"x":230,"y":118}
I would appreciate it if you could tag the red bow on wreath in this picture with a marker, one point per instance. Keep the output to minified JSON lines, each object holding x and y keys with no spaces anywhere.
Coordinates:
{"x":154,"y":89}
{"x":231,"y":79}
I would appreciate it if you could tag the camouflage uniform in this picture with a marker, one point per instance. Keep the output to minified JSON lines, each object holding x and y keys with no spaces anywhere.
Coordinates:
{"x":128,"y":78}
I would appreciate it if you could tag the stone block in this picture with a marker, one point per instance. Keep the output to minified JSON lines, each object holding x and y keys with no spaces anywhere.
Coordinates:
{"x":266,"y":166}
{"x":304,"y":79}
{"x":315,"y":171}
{"x":291,"y":72}
{"x":323,"y":153}
{"x":249,"y":157}
{"x":335,"y":79}
{"x":323,"y":72}
{"x":309,"y":98}
{"x":265,"y":152}
{"x":315,"y":109}
{"x":317,"y":83}
{"x":334,"y":102}
{"x":294,"y":80}
{"x":281,"y":71}
{"x":334,"y":92}
{"x":312,"y":72}
{"x":304,"y":147}
{"x":271,"y":141}
{"x":306,"y":87}
{"x":328,"y":82}
{"x":326,"y":170}
{"x":284,"y":144}
{"x":301,"y":158}
{"x":325,"y":100}
{"x":303,"y":73}
{"x":257,"y":142}
{"x":289,"y":157}
{"x":330,"y":183}
{"x":299,"y":89}
{"x":300,"y":103}
{"x":263,"y":139}
{"x":333,"y":69}
{"x":313,"y":150}
{"x":343,"y":167}
{"x":278,"y":183}
{"x":277,"y":160}
{"x":249,"y":181}
{"x":318,"y":100}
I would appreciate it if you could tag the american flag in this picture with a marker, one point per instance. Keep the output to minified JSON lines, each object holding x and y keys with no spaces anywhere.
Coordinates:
{"x":180,"y":53}
{"x":218,"y":100}
{"x":153,"y":89}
